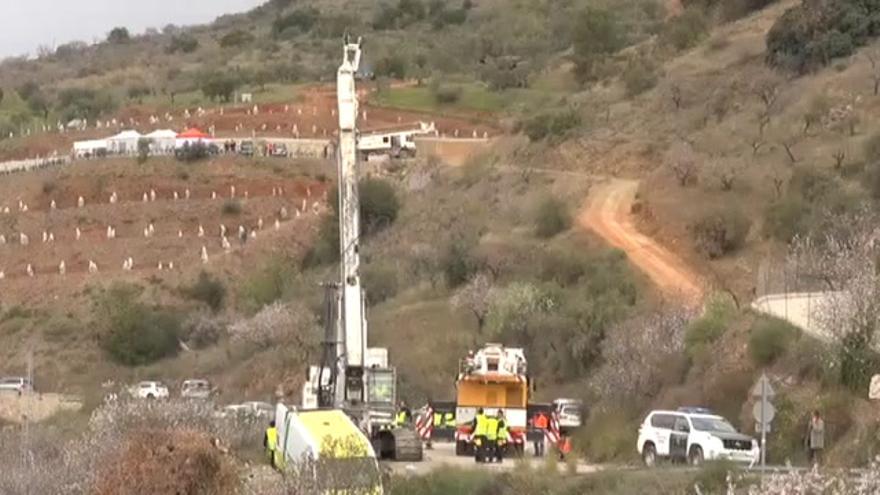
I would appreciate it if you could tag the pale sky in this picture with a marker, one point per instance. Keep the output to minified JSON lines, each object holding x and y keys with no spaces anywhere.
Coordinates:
{"x":27,"y":24}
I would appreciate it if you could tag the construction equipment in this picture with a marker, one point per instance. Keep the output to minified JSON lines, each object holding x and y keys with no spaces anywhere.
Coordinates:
{"x":352,"y":377}
{"x":494,"y":378}
{"x":328,"y":447}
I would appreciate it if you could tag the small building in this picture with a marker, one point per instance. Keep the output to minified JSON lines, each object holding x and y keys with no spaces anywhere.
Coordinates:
{"x":124,"y":143}
{"x":162,"y":141}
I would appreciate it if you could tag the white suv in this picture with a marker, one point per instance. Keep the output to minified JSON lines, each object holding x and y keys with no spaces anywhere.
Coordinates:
{"x":150,"y":390}
{"x":693,"y":435}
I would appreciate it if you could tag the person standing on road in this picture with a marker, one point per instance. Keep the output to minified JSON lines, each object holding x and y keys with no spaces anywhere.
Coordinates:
{"x":270,"y":442}
{"x":480,"y":429}
{"x":541,"y":423}
{"x":815,"y":439}
{"x":501,"y":438}
{"x":491,"y":448}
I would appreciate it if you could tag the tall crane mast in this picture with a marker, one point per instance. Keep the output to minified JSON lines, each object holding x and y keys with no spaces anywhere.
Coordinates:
{"x":352,"y":377}
{"x":352,"y":330}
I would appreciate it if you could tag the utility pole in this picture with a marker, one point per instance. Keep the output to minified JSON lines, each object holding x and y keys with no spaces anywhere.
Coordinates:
{"x":25,"y":427}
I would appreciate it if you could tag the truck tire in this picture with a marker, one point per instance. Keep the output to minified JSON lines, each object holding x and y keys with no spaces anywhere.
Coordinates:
{"x":696,"y":456}
{"x":649,"y":455}
{"x":461,"y":449}
{"x":407,"y":445}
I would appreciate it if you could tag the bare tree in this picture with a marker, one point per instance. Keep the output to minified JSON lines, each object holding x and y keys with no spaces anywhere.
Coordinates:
{"x":757,"y":143}
{"x":819,"y":108}
{"x":277,"y":323}
{"x":475,"y":297}
{"x":778,"y":184}
{"x":638,"y":352}
{"x":725,"y":170}
{"x":767,"y":91}
{"x":682,"y":160}
{"x":839,"y":156}
{"x":788,"y":146}
{"x":873,"y":56}
{"x":846,"y":259}
{"x":675,"y":94}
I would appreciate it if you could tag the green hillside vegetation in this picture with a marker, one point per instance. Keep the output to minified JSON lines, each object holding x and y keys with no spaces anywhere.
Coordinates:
{"x":749,"y":124}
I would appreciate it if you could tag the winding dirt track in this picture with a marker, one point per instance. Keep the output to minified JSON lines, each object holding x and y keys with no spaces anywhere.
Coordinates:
{"x":608,"y":213}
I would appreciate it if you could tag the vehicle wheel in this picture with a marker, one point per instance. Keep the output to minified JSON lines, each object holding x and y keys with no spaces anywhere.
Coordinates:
{"x":696,"y":456}
{"x":649,"y":455}
{"x":151,"y":396}
{"x":461,"y":448}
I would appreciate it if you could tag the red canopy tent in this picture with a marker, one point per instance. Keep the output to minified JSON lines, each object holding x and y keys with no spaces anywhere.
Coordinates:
{"x":193,"y":133}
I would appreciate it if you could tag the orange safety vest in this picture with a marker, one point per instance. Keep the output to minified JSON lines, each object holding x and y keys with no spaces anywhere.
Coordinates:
{"x":565,"y":445}
{"x":541,"y":421}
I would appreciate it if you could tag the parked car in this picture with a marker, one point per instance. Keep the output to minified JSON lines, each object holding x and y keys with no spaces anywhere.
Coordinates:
{"x":150,"y":390}
{"x":260,"y":409}
{"x":16,"y":384}
{"x":196,"y":389}
{"x":246,"y":148}
{"x":279,"y":150}
{"x":693,"y":435}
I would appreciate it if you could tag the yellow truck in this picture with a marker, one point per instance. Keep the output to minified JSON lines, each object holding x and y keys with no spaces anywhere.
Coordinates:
{"x":326,"y":451}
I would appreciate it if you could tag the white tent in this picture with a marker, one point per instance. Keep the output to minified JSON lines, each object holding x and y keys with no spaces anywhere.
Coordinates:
{"x":163,"y":140}
{"x":90,"y":147}
{"x":124,"y":143}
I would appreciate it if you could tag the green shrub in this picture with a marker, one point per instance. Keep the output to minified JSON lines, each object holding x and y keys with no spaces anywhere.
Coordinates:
{"x":708,"y":328}
{"x":562,"y":267}
{"x":48,"y":186}
{"x":267,"y":285}
{"x":208,"y":290}
{"x":551,"y":218}
{"x":786,"y":218}
{"x":236,"y":38}
{"x":143,"y":150}
{"x":446,"y":95}
{"x":686,"y":30}
{"x":550,"y":124}
{"x":183,"y":43}
{"x":131,"y":333}
{"x":380,"y":283}
{"x":639,"y":76}
{"x":325,"y":250}
{"x":812,"y":34}
{"x":712,"y":477}
{"x":609,"y":437}
{"x":457,"y":263}
{"x":720,"y":232}
{"x":231,"y":207}
{"x":379,"y":205}
{"x":770,"y":338}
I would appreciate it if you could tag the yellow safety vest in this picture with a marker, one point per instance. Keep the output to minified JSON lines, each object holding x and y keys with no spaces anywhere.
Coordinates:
{"x":482,"y":426}
{"x":271,"y":438}
{"x":449,"y":420}
{"x":502,"y":431}
{"x":401,"y":418}
{"x":492,"y":428}
{"x":438,"y":419}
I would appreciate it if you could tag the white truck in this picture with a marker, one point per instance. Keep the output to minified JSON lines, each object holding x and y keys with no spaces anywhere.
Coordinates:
{"x":393,"y":143}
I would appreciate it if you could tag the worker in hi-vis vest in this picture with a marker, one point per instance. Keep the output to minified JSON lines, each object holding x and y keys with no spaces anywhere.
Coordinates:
{"x":449,"y":420}
{"x":403,"y":415}
{"x":501,"y":437}
{"x":270,"y":442}
{"x":480,"y":429}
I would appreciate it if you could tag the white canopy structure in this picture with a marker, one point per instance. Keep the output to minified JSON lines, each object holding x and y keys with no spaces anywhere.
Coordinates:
{"x":89,"y":148}
{"x":163,"y":140}
{"x":124,"y":143}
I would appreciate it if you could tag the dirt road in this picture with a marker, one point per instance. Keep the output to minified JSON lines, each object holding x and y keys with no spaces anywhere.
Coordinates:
{"x":608,"y":213}
{"x":443,"y":455}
